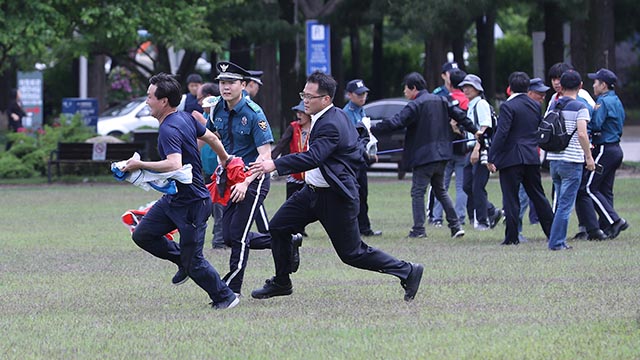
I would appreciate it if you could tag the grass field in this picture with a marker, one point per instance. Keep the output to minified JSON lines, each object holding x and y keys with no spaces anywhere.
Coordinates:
{"x":74,"y":286}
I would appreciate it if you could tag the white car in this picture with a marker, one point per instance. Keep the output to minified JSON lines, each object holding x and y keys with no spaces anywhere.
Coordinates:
{"x":125,"y":118}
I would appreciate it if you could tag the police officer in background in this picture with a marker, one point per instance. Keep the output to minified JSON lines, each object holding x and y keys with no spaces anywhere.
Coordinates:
{"x":596,"y":189}
{"x":357,"y":93}
{"x":254,"y":82}
{"x":245,"y":132}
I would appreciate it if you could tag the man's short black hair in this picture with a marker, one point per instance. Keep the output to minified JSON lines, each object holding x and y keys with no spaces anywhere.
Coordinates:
{"x":210,"y":89}
{"x":556,"y":71}
{"x":194,"y":78}
{"x":519,"y":82}
{"x":326,"y":83}
{"x":414,"y":81}
{"x":167,"y":87}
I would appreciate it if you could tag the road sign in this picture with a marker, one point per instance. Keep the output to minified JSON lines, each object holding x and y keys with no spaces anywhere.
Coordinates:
{"x":318,"y":47}
{"x":30,"y":86}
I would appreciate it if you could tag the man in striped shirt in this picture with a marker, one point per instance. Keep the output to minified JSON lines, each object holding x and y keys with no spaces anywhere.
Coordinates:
{"x":566,"y":165}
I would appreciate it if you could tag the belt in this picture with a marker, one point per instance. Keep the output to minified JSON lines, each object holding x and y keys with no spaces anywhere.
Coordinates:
{"x":316,"y":188}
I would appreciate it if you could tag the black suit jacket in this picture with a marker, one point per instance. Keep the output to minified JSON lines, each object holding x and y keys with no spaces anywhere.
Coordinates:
{"x":514,"y":141}
{"x":334,"y":148}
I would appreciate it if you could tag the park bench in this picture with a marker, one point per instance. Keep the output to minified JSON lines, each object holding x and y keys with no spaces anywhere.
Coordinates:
{"x":90,"y":153}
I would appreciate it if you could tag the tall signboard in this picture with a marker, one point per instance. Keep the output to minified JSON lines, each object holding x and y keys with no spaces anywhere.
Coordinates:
{"x":30,"y":86}
{"x":318,"y":47}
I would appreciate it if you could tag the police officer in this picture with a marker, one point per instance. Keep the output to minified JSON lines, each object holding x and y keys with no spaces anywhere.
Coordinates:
{"x":357,"y":93}
{"x":245,"y":132}
{"x":596,"y":189}
{"x":254,"y":82}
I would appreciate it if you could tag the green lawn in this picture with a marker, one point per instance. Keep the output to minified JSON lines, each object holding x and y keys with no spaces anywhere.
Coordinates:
{"x":74,"y":286}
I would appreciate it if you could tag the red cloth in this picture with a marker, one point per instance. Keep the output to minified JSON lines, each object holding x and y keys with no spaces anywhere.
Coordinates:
{"x":296,"y":145}
{"x":131,"y":219}
{"x":235,"y":173}
{"x":463,"y":102}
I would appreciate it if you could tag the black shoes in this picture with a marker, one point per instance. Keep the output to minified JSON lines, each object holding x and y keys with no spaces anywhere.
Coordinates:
{"x":180,"y":277}
{"x":495,"y":218}
{"x":617,"y":227}
{"x":271,"y":289}
{"x":582,"y":235}
{"x":457,"y":232}
{"x":230,"y":303}
{"x":597,"y":235}
{"x":371,"y":233}
{"x":562,"y":247}
{"x":412,"y":283}
{"x":296,"y":241}
{"x":516,"y":242}
{"x":416,"y":234}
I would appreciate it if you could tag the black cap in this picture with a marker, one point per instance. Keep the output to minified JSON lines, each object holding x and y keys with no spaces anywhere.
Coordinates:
{"x":604,"y":75}
{"x":230,"y":71}
{"x":299,"y":107}
{"x":449,"y":65}
{"x":357,"y":86}
{"x":456,"y":76}
{"x":537,"y":85}
{"x":570,"y":79}
{"x":254,"y":75}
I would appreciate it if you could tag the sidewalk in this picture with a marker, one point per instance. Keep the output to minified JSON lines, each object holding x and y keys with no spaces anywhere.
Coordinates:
{"x":630,"y":143}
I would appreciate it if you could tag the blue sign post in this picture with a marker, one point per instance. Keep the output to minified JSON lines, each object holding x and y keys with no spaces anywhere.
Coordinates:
{"x":318,"y":47}
{"x":87,"y":107}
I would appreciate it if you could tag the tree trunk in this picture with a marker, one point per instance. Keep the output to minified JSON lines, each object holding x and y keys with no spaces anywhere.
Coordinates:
{"x":457,"y":47}
{"x":187,"y":66}
{"x":336,"y":67}
{"x":553,"y":41}
{"x":291,"y":79}
{"x":269,"y":94}
{"x":377,"y":72}
{"x":98,"y":83}
{"x":603,"y":23}
{"x":580,"y":46}
{"x":354,"y":37}
{"x":240,"y":53}
{"x":487,"y":53}
{"x":435,"y":56}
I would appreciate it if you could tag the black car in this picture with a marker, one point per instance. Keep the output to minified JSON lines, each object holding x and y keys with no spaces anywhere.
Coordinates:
{"x":390,"y":146}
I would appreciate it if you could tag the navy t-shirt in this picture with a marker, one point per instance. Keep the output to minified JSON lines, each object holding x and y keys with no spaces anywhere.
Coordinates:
{"x":178,"y":133}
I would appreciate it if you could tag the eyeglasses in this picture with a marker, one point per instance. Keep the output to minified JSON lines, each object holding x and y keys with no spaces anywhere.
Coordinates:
{"x":304,"y":96}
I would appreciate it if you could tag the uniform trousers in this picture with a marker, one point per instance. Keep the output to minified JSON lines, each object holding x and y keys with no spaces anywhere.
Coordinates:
{"x":191,"y":222}
{"x":238,"y":218}
{"x":363,"y":216}
{"x":529,"y":176}
{"x":596,"y":190}
{"x":338,"y":216}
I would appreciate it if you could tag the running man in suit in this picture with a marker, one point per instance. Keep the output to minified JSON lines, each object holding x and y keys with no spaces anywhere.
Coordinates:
{"x":330,"y":195}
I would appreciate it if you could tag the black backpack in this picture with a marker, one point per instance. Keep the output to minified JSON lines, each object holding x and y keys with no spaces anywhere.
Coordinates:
{"x":552,"y":131}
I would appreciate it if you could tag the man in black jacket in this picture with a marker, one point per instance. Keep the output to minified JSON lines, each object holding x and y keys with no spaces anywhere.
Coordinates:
{"x":427,"y":147}
{"x":514,"y":152}
{"x":330,"y":195}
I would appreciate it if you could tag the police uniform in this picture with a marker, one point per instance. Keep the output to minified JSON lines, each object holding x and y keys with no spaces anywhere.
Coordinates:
{"x":242,"y":130}
{"x":596,"y":190}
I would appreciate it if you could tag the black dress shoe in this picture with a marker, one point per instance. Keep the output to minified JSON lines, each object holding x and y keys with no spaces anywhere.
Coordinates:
{"x":371,"y":233}
{"x":582,"y":235}
{"x":507,"y":242}
{"x":296,"y":241}
{"x":617,"y":227}
{"x":412,"y":283}
{"x":180,"y":277}
{"x":271,"y":289}
{"x":597,"y":235}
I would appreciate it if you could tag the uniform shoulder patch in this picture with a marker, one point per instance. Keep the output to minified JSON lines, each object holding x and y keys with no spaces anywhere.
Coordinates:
{"x":263,"y":125}
{"x":255,"y":107}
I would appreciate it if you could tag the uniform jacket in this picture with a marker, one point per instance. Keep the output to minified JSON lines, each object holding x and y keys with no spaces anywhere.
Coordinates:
{"x":514,"y":141}
{"x":608,"y":119}
{"x":429,"y":135}
{"x":334,"y":149}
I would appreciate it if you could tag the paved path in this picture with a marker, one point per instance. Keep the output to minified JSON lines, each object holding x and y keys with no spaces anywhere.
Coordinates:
{"x":630,"y":143}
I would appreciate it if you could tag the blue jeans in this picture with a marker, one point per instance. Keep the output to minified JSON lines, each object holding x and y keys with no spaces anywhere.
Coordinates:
{"x":455,"y":165}
{"x":566,"y":178}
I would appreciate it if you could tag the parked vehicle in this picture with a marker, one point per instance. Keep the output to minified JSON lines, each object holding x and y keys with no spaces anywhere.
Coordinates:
{"x":126,"y":118}
{"x":390,"y":145}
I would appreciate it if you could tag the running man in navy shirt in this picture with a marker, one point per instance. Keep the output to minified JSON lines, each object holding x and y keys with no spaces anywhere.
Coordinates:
{"x":188,"y":209}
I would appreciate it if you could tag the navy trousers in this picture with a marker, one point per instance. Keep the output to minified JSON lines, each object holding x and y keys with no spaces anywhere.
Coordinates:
{"x":191,"y":222}
{"x":338,"y":215}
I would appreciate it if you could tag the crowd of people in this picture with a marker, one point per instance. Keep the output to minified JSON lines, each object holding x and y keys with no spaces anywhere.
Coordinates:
{"x":325,"y":154}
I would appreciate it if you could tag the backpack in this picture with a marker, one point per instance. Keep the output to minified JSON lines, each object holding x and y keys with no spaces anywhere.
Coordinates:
{"x":552,"y":131}
{"x":494,"y":118}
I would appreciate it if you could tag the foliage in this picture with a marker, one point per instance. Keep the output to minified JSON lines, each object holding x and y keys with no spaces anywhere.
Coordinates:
{"x":513,"y":53}
{"x":124,"y":85}
{"x":29,"y":153}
